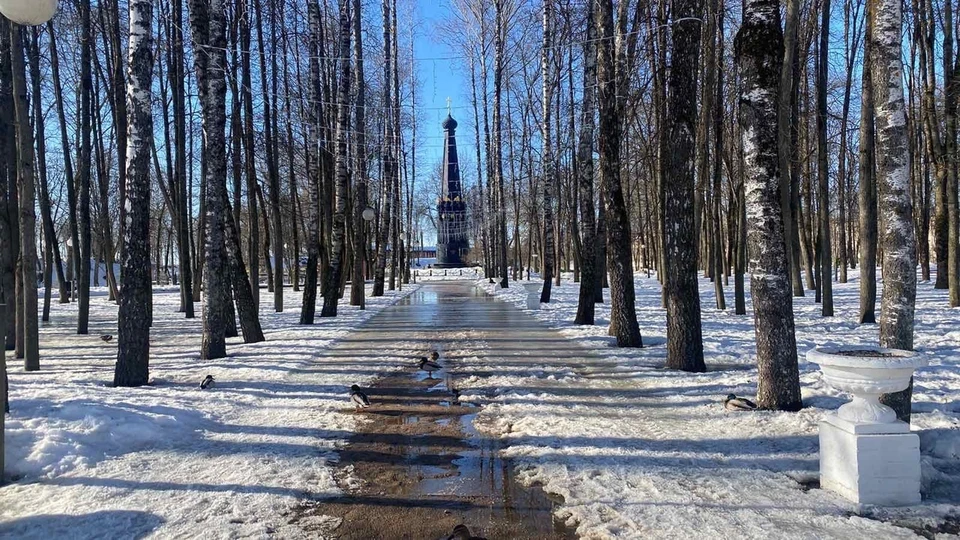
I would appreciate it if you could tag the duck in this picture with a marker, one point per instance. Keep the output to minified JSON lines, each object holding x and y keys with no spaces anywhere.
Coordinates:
{"x":359,"y":399}
{"x":461,"y":532}
{"x":106,"y":338}
{"x":207,"y":383}
{"x":428,"y":365}
{"x":734,"y":403}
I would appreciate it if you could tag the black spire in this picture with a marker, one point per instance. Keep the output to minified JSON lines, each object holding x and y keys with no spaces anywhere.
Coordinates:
{"x":452,"y":243}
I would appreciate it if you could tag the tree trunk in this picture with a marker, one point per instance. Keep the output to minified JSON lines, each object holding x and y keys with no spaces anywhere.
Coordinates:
{"x":27,"y":200}
{"x":207,"y":26}
{"x":240,"y":281}
{"x":249,"y":148}
{"x":826,"y":254}
{"x":84,"y":225}
{"x":332,"y":277}
{"x":897,"y":237}
{"x":67,"y":161}
{"x":49,"y":231}
{"x":309,"y":308}
{"x":133,"y":334}
{"x":549,"y":172}
{"x":623,"y":318}
{"x":273,"y":175}
{"x":868,"y":183}
{"x":684,"y":338}
{"x":786,"y":142}
{"x":389,"y":159}
{"x":500,"y":30}
{"x":357,"y":289}
{"x":589,"y":275}
{"x":759,"y":54}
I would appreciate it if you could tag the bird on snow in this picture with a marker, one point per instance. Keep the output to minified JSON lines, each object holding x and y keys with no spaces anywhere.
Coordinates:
{"x":207,"y":383}
{"x":106,"y":338}
{"x":359,"y":399}
{"x":428,"y":365}
{"x":461,"y":532}
{"x":734,"y":403}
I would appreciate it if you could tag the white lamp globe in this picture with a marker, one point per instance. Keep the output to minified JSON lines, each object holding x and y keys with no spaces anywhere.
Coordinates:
{"x":368,"y":214}
{"x":29,"y":12}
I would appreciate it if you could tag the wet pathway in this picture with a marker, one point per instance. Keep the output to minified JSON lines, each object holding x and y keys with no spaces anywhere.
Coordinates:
{"x":422,"y":466}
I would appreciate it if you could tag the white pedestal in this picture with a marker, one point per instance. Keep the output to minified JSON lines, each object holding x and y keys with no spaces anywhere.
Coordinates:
{"x":875,"y":464}
{"x":533,"y":295}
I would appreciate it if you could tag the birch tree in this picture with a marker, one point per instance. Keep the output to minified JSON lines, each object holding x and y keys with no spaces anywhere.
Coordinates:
{"x":684,"y":339}
{"x":331,"y":289}
{"x":759,"y":54}
{"x":309,"y":307}
{"x":897,"y":237}
{"x":133,"y":335}
{"x":549,"y":179}
{"x":209,"y":39}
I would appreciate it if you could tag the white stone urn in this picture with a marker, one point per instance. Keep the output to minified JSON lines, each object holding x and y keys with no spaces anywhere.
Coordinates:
{"x":533,"y":289}
{"x":29,"y":12}
{"x":866,"y":372}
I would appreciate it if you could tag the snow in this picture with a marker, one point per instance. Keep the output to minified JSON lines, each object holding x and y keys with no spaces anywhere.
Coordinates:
{"x":93,"y":461}
{"x":634,"y":450}
{"x":639,"y":451}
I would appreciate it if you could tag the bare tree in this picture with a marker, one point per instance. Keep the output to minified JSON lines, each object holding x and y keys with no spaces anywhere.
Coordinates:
{"x":897,"y":237}
{"x":759,"y":53}
{"x":549,"y":171}
{"x":331,"y":289}
{"x":207,"y":27}
{"x":826,"y":254}
{"x":613,"y":61}
{"x":588,"y":260}
{"x":684,"y":339}
{"x":133,"y":336}
{"x":27,"y":200}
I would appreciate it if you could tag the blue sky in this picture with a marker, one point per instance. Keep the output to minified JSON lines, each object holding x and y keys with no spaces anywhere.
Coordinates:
{"x":441,"y":76}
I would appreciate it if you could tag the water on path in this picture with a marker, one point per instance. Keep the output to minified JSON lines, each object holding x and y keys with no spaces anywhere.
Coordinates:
{"x":422,"y":466}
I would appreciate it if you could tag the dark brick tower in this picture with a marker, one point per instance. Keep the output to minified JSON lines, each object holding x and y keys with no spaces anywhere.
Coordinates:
{"x":452,"y":243}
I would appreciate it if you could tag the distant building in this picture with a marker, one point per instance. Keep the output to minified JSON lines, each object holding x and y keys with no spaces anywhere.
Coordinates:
{"x":452,"y":229}
{"x":425,"y":252}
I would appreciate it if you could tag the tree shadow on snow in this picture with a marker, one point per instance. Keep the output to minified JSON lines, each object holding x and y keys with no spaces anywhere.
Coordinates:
{"x":101,"y":525}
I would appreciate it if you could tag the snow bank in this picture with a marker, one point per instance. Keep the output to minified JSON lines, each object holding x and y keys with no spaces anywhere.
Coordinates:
{"x":167,"y":459}
{"x":638,"y":451}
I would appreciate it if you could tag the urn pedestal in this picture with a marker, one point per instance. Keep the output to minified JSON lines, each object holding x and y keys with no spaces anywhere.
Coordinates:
{"x":533,"y":294}
{"x":866,"y":454}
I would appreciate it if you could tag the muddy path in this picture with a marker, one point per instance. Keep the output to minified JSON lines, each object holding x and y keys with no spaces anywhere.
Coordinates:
{"x":417,"y":467}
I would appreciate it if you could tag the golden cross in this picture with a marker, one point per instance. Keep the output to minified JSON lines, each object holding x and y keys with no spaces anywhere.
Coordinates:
{"x":448,"y":106}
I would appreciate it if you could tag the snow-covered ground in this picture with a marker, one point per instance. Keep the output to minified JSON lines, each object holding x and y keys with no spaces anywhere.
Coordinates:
{"x":168,"y":459}
{"x":638,"y":451}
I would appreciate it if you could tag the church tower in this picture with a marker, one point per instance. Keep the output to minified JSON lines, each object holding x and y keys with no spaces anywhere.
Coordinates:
{"x":452,"y":243}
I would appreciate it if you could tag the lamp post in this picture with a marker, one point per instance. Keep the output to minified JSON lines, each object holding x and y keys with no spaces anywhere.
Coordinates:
{"x":368,"y":216}
{"x":29,"y":12}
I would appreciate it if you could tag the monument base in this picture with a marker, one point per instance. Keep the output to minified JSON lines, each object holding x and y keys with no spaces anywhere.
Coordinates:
{"x":876,"y":464}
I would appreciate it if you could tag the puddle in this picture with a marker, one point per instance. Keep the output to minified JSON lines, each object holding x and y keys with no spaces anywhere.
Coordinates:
{"x":423,"y":467}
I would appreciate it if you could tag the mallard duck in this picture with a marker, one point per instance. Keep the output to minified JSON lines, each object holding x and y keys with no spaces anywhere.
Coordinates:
{"x":106,"y":338}
{"x":207,"y":382}
{"x":461,"y":532}
{"x":734,"y":403}
{"x":359,"y":399}
{"x":428,"y":365}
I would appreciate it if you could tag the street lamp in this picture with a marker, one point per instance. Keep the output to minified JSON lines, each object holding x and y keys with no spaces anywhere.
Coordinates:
{"x":368,"y":214}
{"x":29,"y":12}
